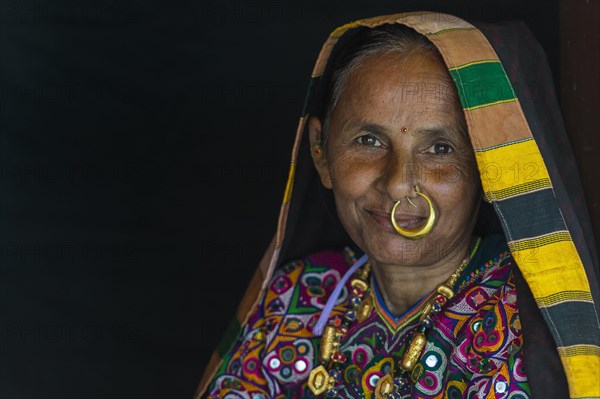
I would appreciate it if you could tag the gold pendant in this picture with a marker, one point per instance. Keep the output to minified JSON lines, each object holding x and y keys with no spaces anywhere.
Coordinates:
{"x":384,"y":387}
{"x":364,"y":309}
{"x":445,"y":291}
{"x":328,"y":343}
{"x":426,"y":310}
{"x":319,"y":380}
{"x":413,"y":353}
{"x":360,"y":284}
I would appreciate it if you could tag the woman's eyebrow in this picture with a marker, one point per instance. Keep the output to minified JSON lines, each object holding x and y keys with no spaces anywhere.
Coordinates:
{"x":368,"y":126}
{"x":448,"y":131}
{"x":438,"y":131}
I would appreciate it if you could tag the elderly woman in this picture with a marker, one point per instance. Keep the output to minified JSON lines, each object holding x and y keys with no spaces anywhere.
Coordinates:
{"x":416,"y":137}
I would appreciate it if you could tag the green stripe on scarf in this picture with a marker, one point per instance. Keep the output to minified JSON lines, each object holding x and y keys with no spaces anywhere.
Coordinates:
{"x":482,"y":84}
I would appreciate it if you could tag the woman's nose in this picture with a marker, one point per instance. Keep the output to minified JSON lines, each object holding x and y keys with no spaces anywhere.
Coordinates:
{"x":399,"y":176}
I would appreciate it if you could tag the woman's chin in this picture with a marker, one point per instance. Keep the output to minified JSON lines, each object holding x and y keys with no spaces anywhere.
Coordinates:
{"x":390,"y":248}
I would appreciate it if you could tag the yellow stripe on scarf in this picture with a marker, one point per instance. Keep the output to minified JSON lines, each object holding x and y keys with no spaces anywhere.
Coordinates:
{"x":507,"y":167}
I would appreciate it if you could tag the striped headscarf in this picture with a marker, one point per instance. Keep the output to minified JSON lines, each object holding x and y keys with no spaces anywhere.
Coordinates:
{"x":527,"y":172}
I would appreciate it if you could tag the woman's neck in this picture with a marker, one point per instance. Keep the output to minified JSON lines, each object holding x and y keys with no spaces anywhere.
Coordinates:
{"x":402,"y":286}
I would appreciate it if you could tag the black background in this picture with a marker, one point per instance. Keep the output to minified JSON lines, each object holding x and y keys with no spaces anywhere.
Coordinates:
{"x":144,"y":150}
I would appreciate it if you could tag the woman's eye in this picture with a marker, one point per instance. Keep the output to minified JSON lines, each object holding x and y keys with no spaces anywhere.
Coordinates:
{"x":368,"y":140}
{"x":441,"y":148}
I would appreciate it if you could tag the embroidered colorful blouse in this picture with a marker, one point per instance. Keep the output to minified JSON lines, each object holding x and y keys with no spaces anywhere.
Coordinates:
{"x":474,"y":349}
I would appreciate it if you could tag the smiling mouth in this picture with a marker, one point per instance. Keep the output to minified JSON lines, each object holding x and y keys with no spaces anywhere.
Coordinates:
{"x":408,"y":222}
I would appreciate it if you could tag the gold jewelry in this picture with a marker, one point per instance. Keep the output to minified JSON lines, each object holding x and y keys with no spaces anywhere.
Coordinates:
{"x":390,"y":384}
{"x":319,"y":380}
{"x":404,"y":129}
{"x":317,"y":150}
{"x":422,"y":231}
{"x":327,"y":377}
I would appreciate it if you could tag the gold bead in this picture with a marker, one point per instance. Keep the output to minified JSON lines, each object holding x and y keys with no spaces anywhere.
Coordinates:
{"x":364,"y":309}
{"x":426,"y":311}
{"x":318,"y":380}
{"x":445,"y":291}
{"x":366,"y":271}
{"x":328,"y":342}
{"x":358,"y":283}
{"x":384,"y":387}
{"x":413,"y":352}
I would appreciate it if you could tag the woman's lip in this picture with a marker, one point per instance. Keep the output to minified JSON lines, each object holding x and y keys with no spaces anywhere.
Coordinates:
{"x":403,"y":220}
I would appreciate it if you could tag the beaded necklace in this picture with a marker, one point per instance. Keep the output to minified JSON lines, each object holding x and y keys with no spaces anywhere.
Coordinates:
{"x":326,"y":377}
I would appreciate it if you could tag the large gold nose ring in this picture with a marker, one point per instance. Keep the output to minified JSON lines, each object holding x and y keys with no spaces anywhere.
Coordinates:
{"x":423,"y":230}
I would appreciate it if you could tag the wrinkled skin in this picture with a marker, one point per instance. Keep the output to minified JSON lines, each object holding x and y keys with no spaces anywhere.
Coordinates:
{"x":370,"y":162}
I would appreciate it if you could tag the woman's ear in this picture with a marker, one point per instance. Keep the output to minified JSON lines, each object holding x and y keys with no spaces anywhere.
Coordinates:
{"x":317,"y":152}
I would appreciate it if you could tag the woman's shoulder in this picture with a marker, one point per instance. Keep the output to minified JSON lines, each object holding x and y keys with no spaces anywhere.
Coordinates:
{"x":302,"y":286}
{"x":278,"y":337}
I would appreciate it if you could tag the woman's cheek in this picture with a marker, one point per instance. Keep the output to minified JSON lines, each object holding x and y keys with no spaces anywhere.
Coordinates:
{"x":450,"y":173}
{"x":442,"y":174}
{"x":348,"y":171}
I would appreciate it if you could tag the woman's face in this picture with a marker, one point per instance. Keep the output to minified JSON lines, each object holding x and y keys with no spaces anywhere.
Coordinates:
{"x":396,"y":125}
